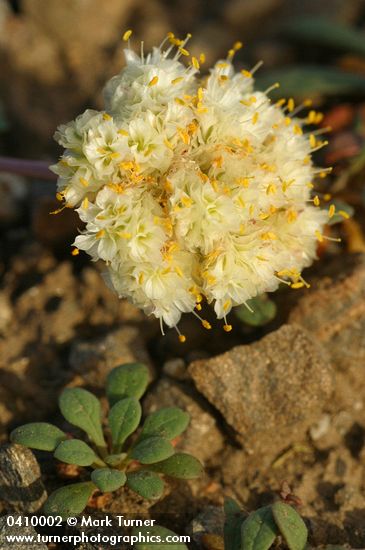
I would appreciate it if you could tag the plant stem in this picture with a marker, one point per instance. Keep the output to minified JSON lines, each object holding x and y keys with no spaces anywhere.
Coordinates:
{"x":30,"y":168}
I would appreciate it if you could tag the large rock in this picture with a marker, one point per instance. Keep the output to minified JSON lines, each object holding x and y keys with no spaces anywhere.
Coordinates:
{"x":202,"y":437}
{"x":334,"y":311}
{"x":269,"y":392}
{"x":21,"y":487}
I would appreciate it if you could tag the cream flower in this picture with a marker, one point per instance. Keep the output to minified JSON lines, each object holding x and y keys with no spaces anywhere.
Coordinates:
{"x":192,"y":188}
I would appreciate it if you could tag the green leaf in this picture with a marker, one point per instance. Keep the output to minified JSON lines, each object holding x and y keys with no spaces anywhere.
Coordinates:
{"x":70,"y":500}
{"x":129,"y":380}
{"x":115,"y":459}
{"x":233,"y":519}
{"x":259,"y":531}
{"x":325,"y":32}
{"x":147,"y":484}
{"x":169,"y":422}
{"x":291,"y":525}
{"x":152,"y":449}
{"x":124,"y":418}
{"x":311,"y":81}
{"x":82,"y":409}
{"x":263,"y":311}
{"x":157,"y":531}
{"x":179,"y":465}
{"x":75,"y":451}
{"x":108,"y":480}
{"x":38,"y":435}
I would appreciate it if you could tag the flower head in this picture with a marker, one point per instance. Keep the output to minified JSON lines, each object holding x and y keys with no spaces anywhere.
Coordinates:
{"x":191,"y":187}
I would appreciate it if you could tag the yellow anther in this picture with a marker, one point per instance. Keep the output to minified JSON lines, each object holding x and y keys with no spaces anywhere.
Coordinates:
{"x":200,"y":94}
{"x":175,"y":41}
{"x":310,"y":185}
{"x":271,"y":189}
{"x":75,"y":252}
{"x":182,"y":338}
{"x":281,"y":102}
{"x":247,"y":74}
{"x":184,"y":136}
{"x":226,"y":305}
{"x":107,"y":117}
{"x":140,"y":278}
{"x":187,"y":201}
{"x":85,"y":203}
{"x":114,"y":155}
{"x":269,"y":236}
{"x":245,"y":182}
{"x":206,"y":324}
{"x":297,"y":285}
{"x":177,"y":80}
{"x":297,"y":130}
{"x":227,"y":328}
{"x":287,"y":121}
{"x":324,"y":173}
{"x":223,"y":78}
{"x":237,"y":45}
{"x":153,"y":81}
{"x":198,"y":307}
{"x":123,"y":133}
{"x":127,"y":35}
{"x":312,"y":140}
{"x":202,"y":58}
{"x":183,"y":51}
{"x":331,"y":211}
{"x":179,"y":101}
{"x":291,"y":105}
{"x":59,"y":196}
{"x":195,"y":63}
{"x":199,"y":298}
{"x":316,"y":201}
{"x":319,"y":236}
{"x":255,"y":118}
{"x":231,"y":53}
{"x":344,"y":214}
{"x":327,"y":196}
{"x":84,"y":182}
{"x":168,"y":144}
{"x":291,"y":216}
{"x":100,"y":234}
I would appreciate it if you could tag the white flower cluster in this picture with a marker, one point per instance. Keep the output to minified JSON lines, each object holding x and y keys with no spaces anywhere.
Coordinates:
{"x":192,"y":187}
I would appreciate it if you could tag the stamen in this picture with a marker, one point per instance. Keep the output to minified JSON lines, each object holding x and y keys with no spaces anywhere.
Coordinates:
{"x":153,"y":81}
{"x":127,"y":35}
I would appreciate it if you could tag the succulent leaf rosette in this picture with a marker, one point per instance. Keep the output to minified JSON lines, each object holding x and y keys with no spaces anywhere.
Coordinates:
{"x":192,"y":186}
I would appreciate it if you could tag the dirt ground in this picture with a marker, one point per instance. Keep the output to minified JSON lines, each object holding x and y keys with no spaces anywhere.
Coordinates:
{"x":297,"y":414}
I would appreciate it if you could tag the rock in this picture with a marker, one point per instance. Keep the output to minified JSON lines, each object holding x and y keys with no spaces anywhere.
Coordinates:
{"x":202,"y":437}
{"x":95,"y":359}
{"x":5,"y":312}
{"x":334,"y":311}
{"x":208,"y":524}
{"x":6,"y":531}
{"x":176,"y":368}
{"x":21,"y":487}
{"x":269,"y":392}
